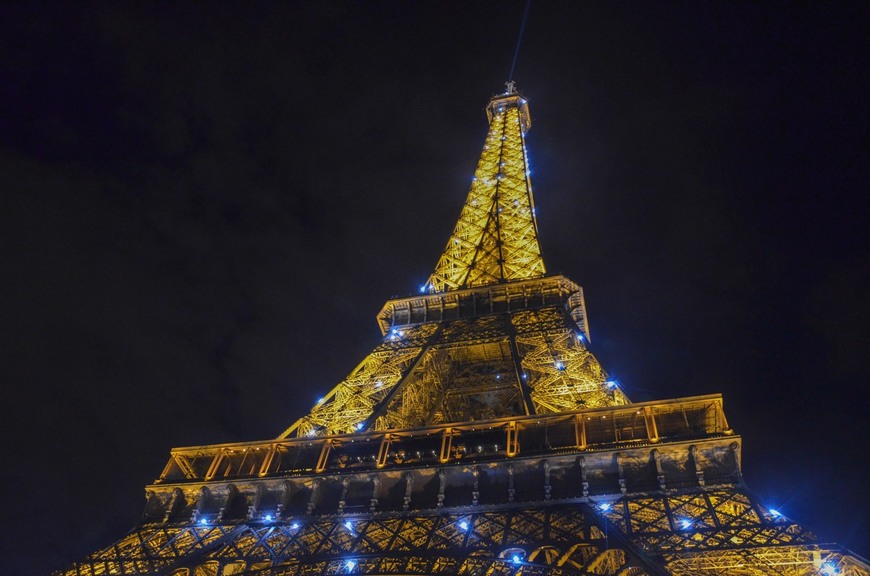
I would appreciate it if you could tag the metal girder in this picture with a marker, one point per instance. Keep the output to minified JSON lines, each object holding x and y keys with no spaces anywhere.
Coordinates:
{"x":496,"y":236}
{"x":479,"y":368}
{"x":480,"y":438}
{"x":524,"y":540}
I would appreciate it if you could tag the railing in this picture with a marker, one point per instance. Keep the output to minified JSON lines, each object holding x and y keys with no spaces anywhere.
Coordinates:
{"x":580,"y":431}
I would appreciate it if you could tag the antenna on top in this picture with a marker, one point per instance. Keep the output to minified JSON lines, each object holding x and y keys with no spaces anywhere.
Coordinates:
{"x":519,"y":40}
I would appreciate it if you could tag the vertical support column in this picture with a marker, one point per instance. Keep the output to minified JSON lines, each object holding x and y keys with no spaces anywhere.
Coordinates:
{"x":324,"y":457}
{"x":580,"y":431}
{"x":384,"y":450}
{"x":215,"y":465}
{"x":513,"y":443}
{"x":446,"y":446}
{"x":652,"y":431}
{"x":522,"y":377}
{"x":267,"y":461}
{"x":720,"y":416}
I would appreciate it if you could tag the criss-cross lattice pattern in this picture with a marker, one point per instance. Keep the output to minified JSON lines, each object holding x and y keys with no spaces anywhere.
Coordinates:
{"x":701,"y":531}
{"x":469,"y":369}
{"x":531,"y":541}
{"x":496,"y":237}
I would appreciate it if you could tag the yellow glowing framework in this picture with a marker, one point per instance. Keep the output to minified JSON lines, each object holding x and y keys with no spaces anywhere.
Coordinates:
{"x":496,"y":237}
{"x":481,"y":437}
{"x":518,"y":357}
{"x":491,"y":366}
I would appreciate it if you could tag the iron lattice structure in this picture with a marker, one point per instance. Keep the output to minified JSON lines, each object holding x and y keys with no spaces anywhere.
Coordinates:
{"x":481,"y":437}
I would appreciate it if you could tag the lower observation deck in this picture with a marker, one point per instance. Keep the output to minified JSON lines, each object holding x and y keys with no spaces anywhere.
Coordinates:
{"x":638,"y":447}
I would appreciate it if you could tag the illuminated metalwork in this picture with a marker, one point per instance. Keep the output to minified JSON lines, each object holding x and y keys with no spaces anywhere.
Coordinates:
{"x":480,"y":438}
{"x":496,"y":237}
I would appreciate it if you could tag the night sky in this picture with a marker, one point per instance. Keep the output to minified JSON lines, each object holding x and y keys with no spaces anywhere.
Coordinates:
{"x":203,"y":206}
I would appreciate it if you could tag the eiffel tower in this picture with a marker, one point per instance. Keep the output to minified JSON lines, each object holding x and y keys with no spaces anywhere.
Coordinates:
{"x":480,"y":437}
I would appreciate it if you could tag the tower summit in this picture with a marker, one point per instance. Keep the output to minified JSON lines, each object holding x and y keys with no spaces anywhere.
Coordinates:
{"x":496,"y":237}
{"x":489,"y":336}
{"x":479,"y":437}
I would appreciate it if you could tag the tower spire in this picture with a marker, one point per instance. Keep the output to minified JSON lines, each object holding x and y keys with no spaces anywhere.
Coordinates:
{"x":481,"y":436}
{"x":496,"y":237}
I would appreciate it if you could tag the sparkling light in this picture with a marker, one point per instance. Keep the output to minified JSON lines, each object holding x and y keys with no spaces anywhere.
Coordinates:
{"x":350,"y":564}
{"x":348,"y":525}
{"x":463,"y":525}
{"x":605,"y":506}
{"x":516,"y":559}
{"x":829,"y":569}
{"x":685,"y":524}
{"x":268,"y":517}
{"x":295,"y":525}
{"x":775,"y":513}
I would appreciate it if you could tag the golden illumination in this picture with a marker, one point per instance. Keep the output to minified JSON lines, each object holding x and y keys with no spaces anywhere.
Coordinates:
{"x":480,"y":437}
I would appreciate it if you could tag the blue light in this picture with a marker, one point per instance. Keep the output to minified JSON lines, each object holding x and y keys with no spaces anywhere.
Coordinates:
{"x":348,"y":525}
{"x":611,"y":383}
{"x":516,"y":559}
{"x":268,"y":517}
{"x":775,"y":513}
{"x":295,"y":525}
{"x":422,"y":288}
{"x":320,"y":400}
{"x":203,"y":521}
{"x":359,"y":426}
{"x":605,"y":506}
{"x":560,"y":366}
{"x":685,"y":524}
{"x":463,"y":525}
{"x":829,"y":569}
{"x":350,"y":564}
